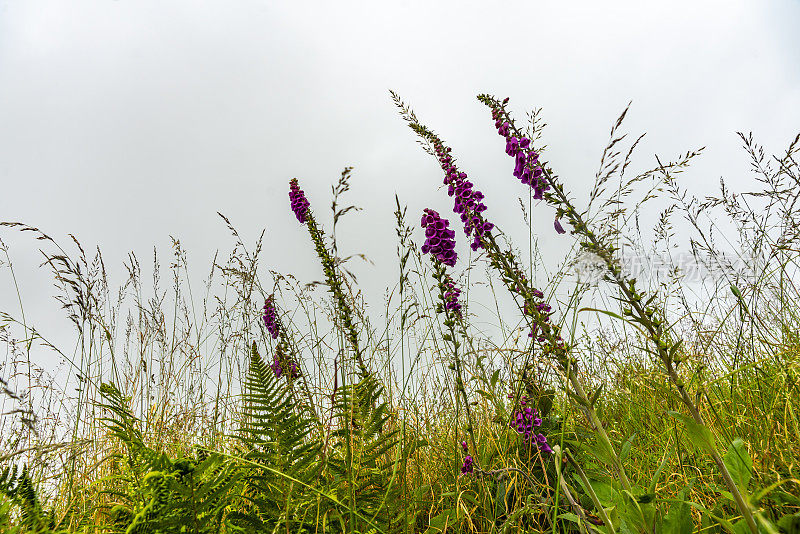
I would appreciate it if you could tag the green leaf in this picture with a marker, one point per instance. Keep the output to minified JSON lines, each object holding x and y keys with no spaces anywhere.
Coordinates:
{"x":631,"y":512}
{"x":442,"y":521}
{"x":500,"y":499}
{"x":787,"y":498}
{"x":790,"y":523}
{"x":601,"y":489}
{"x":468,"y":497}
{"x":596,"y":395}
{"x":738,"y":462}
{"x":485,"y":394}
{"x":657,"y":474}
{"x":578,"y":400}
{"x":678,"y":519}
{"x":741,"y":527}
{"x":615,"y":316}
{"x":736,"y":292}
{"x":700,"y":436}
{"x":626,"y":447}
{"x":495,"y":377}
{"x":570,"y":517}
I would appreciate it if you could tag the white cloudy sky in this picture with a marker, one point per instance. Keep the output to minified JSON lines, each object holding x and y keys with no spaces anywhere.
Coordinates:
{"x":124,"y":122}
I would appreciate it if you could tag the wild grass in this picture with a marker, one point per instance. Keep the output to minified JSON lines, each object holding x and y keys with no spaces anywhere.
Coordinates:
{"x":668,"y":386}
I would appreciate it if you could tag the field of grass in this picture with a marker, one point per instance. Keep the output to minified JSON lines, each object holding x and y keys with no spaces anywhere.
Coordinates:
{"x":663,"y":401}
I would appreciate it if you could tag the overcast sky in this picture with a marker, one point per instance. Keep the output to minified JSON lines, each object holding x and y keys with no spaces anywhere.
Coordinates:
{"x":124,"y":122}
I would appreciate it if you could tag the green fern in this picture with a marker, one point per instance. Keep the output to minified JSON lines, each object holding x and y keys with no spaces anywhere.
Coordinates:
{"x":275,"y":434}
{"x":365,"y":470}
{"x":192,"y":494}
{"x":20,"y":495}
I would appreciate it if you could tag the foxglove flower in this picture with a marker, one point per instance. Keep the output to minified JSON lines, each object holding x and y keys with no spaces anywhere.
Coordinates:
{"x":283,"y":364}
{"x":526,"y":159}
{"x":541,"y":442}
{"x":525,"y":421}
{"x":451,"y":296}
{"x":439,"y":240}
{"x":467,"y":466}
{"x":276,"y":367}
{"x":299,"y":202}
{"x":467,"y":202}
{"x":270,"y":317}
{"x":536,"y":308}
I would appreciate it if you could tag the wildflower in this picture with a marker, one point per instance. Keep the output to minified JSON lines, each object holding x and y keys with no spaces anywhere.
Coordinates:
{"x":558,"y":227}
{"x":270,"y":317}
{"x":467,"y":202}
{"x":524,"y":422}
{"x":541,"y":441}
{"x":299,"y":202}
{"x":466,"y":467}
{"x":300,"y":207}
{"x":439,"y":240}
{"x":282,"y":363}
{"x":451,"y":296}
{"x":464,"y":446}
{"x":526,"y":159}
{"x":276,"y":367}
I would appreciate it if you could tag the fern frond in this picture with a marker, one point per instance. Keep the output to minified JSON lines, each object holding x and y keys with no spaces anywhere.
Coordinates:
{"x":273,"y":433}
{"x":190,"y":494}
{"x":19,"y":489}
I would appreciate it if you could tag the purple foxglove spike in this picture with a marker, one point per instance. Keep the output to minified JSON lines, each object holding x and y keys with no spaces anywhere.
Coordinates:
{"x":270,"y":317}
{"x":298,"y":201}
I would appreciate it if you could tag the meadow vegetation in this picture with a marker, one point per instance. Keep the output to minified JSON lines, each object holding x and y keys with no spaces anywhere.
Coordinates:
{"x":601,"y":400}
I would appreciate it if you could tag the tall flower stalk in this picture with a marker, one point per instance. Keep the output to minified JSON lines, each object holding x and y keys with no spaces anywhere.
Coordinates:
{"x":302,"y":210}
{"x":440,"y":244}
{"x":531,"y":300}
{"x":639,"y":308}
